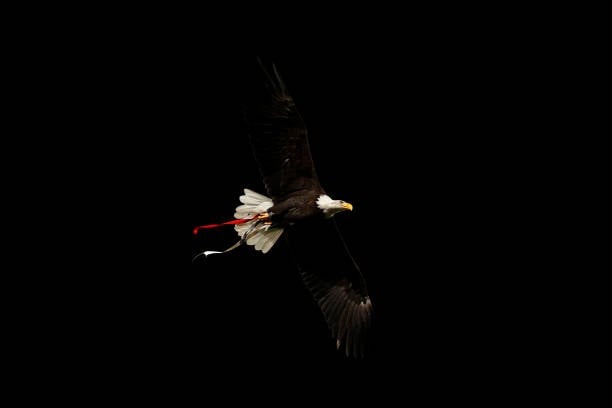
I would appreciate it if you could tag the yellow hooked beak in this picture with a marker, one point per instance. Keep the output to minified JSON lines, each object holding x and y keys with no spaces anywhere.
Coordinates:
{"x":347,"y":206}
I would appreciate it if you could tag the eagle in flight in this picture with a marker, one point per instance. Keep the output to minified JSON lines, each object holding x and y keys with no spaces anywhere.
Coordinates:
{"x":297,"y":206}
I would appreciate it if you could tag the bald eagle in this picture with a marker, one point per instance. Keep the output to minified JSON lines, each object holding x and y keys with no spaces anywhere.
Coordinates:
{"x":296,"y":204}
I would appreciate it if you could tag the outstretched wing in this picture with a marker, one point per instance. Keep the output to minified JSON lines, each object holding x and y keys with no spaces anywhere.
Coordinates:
{"x":335,"y":281}
{"x":279,"y":139}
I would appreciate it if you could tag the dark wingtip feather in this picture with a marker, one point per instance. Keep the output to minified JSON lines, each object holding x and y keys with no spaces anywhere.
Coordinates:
{"x":348,"y":315}
{"x":281,"y":84}
{"x":270,"y":81}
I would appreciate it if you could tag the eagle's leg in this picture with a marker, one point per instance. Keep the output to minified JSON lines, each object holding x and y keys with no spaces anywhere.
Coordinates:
{"x":265,"y":217}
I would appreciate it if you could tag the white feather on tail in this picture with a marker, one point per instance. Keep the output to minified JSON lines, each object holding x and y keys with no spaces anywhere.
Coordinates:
{"x":260,"y":235}
{"x":252,"y":204}
{"x":255,"y":231}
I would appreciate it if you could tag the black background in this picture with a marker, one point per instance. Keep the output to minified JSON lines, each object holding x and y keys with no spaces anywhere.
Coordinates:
{"x":418,"y":141}
{"x":425,"y":140}
{"x":431,"y":145}
{"x":435,"y":124}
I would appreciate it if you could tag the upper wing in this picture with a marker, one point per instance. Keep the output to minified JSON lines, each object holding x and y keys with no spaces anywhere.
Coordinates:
{"x":335,"y":281}
{"x":279,"y":139}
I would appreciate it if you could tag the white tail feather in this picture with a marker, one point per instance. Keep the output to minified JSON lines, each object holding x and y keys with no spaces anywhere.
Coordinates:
{"x":271,"y":237}
{"x":263,"y":239}
{"x":244,"y":199}
{"x":251,"y":193}
{"x":261,"y":236}
{"x":252,"y":204}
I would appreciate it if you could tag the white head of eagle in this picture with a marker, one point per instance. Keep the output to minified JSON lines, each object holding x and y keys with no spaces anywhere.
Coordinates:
{"x":331,"y":207}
